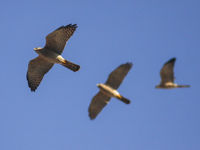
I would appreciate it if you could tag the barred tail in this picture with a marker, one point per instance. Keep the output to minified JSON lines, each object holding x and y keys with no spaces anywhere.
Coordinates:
{"x":71,"y":66}
{"x":182,"y":86}
{"x":125,"y":100}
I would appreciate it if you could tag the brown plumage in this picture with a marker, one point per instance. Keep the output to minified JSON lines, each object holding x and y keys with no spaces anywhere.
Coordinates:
{"x":108,"y":90}
{"x":167,"y":76}
{"x":49,"y":55}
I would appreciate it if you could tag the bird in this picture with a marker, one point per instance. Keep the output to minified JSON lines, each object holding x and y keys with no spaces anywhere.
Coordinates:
{"x":49,"y":55}
{"x":109,"y":90}
{"x":167,"y":76}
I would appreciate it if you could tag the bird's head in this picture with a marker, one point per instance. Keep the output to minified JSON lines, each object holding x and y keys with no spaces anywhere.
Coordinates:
{"x":37,"y":48}
{"x":99,"y":85}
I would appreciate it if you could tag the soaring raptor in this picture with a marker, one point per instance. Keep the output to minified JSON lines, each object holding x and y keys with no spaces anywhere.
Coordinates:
{"x":167,"y":76}
{"x":49,"y":55}
{"x":108,"y":90}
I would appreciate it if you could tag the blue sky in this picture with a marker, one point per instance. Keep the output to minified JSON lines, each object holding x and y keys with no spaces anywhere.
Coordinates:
{"x":109,"y":33}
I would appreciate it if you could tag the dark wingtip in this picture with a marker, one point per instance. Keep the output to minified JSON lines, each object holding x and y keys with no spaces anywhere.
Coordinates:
{"x":128,"y":64}
{"x":33,"y":90}
{"x":172,"y":60}
{"x":75,"y":25}
{"x":29,"y":84}
{"x":92,"y":117}
{"x":72,"y":25}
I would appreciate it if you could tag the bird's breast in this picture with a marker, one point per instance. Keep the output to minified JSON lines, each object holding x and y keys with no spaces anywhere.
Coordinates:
{"x":109,"y":91}
{"x":49,"y":56}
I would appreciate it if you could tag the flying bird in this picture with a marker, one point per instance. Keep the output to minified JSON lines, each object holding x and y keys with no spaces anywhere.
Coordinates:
{"x":50,"y":55}
{"x":167,"y":76}
{"x":108,"y":90}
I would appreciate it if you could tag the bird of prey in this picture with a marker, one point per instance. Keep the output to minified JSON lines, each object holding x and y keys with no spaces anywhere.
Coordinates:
{"x":167,"y":76}
{"x":108,"y":90}
{"x":49,"y":55}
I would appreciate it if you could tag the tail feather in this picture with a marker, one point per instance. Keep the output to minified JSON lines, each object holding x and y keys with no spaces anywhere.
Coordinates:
{"x":182,"y":86}
{"x":125,"y":100}
{"x":71,"y":66}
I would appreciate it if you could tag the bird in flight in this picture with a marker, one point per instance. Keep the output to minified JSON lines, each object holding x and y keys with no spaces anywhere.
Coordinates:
{"x":49,"y":55}
{"x":167,"y":76}
{"x":108,"y":90}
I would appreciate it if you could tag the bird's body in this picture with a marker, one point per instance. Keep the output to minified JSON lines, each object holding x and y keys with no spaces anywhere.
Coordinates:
{"x":167,"y":76}
{"x":167,"y":85}
{"x":50,"y":55}
{"x":109,"y":90}
{"x":170,"y":85}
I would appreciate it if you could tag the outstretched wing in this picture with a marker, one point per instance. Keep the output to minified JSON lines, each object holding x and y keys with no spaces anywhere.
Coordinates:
{"x":167,"y":71}
{"x":37,"y":68}
{"x":98,"y":102}
{"x":57,"y":39}
{"x":117,"y":76}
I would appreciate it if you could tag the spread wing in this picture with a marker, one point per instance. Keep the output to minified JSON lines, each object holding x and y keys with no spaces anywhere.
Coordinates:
{"x":37,"y":68}
{"x":57,"y":39}
{"x":167,"y":71}
{"x":117,"y":76}
{"x":98,"y":102}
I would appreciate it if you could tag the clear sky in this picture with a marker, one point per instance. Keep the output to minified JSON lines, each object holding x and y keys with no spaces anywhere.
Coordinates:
{"x":109,"y":33}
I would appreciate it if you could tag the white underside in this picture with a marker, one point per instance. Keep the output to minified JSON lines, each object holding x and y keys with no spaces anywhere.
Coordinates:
{"x":171,"y":84}
{"x":116,"y":93}
{"x":108,"y":90}
{"x":60,"y":58}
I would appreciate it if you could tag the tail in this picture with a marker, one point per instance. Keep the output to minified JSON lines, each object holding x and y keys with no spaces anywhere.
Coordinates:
{"x":125,"y":100}
{"x":183,"y":86}
{"x":71,"y":66}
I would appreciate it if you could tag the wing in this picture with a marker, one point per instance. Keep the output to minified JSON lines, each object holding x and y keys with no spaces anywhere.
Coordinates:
{"x":37,"y":68}
{"x":117,"y":76}
{"x":167,"y":71}
{"x":98,"y":102}
{"x":57,"y":39}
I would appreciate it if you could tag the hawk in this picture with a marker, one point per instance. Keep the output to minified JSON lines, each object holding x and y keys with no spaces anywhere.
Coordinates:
{"x":167,"y":76}
{"x":108,"y":90}
{"x":49,"y":55}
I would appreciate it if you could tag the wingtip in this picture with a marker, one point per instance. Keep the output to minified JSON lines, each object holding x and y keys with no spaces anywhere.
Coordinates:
{"x":91,"y":118}
{"x":90,"y":114}
{"x":72,"y":25}
{"x":172,"y":59}
{"x":129,"y":64}
{"x":75,"y":25}
{"x":33,"y":90}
